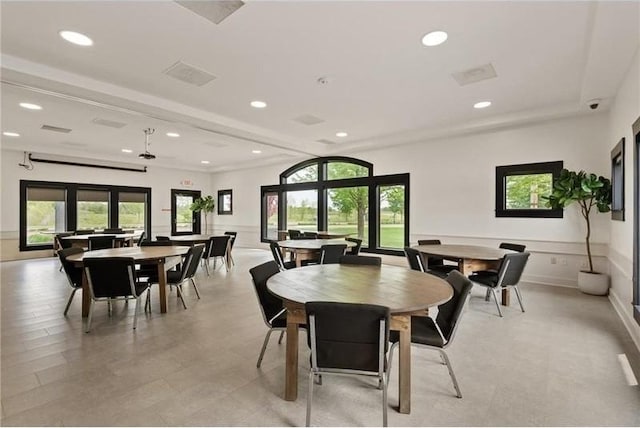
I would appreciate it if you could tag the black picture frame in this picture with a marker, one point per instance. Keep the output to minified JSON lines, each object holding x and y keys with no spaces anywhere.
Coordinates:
{"x":225,"y":202}
{"x":617,"y":181}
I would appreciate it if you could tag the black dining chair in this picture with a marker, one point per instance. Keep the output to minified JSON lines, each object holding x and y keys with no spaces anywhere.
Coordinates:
{"x":110,"y":279}
{"x":293,"y":233}
{"x":162,"y":238}
{"x":150,"y":271}
{"x":274,"y":314}
{"x":331,"y":253}
{"x":505,"y":246}
{"x":438,"y":334}
{"x":355,"y":250}
{"x":416,"y":262}
{"x":513,"y":247}
{"x":61,"y":244}
{"x":350,"y":259}
{"x":511,"y":268}
{"x":73,"y":273}
{"x":434,"y":263}
{"x":348,"y":339}
{"x":102,"y":242}
{"x":218,"y":246}
{"x":115,"y":230}
{"x":141,"y":238}
{"x":276,"y":251}
{"x":85,"y":232}
{"x":309,"y":235}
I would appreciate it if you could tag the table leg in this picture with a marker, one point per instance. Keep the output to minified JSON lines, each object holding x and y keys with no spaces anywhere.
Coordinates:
{"x":162,"y":286}
{"x":86,"y":296}
{"x":404,"y":368}
{"x":291,"y":374}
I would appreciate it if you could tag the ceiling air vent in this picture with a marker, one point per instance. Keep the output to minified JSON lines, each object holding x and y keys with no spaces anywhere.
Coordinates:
{"x":189,"y":74}
{"x":307,"y":119}
{"x":109,"y":123}
{"x":475,"y":74}
{"x":325,"y":141}
{"x":55,"y":129}
{"x":214,"y":11}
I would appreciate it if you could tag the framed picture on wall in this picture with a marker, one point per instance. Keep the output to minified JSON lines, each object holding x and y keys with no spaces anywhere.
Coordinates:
{"x":225,"y":202}
{"x":617,"y":181}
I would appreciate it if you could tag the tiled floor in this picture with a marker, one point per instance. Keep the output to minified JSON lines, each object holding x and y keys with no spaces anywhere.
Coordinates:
{"x":555,"y":365}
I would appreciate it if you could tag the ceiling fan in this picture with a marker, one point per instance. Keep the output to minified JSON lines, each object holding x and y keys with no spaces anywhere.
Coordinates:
{"x":146,"y":154}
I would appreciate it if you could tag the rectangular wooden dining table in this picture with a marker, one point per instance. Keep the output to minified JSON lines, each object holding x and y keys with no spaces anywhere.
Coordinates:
{"x":165,"y":257}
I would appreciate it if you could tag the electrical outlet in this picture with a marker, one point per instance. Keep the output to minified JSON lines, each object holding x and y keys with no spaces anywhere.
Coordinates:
{"x":563,"y":262}
{"x":583,"y":265}
{"x":553,"y":260}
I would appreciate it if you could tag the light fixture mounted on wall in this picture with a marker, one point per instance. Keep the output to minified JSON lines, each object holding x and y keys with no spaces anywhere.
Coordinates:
{"x":146,"y":154}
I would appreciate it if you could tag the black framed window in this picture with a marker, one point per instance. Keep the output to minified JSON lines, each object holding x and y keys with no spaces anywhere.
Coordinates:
{"x":339,"y":195}
{"x":521,"y":189}
{"x":225,"y":202}
{"x":617,"y":181}
{"x":183,"y":220}
{"x":47,"y":208}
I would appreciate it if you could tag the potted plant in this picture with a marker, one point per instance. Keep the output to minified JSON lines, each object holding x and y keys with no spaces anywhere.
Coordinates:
{"x":589,"y":191}
{"x":205,"y":205}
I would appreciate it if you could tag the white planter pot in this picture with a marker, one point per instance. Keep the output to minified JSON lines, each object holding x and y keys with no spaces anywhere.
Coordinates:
{"x":593,"y":283}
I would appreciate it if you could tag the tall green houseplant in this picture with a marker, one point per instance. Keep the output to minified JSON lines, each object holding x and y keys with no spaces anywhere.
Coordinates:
{"x":588,"y":190}
{"x":205,"y":205}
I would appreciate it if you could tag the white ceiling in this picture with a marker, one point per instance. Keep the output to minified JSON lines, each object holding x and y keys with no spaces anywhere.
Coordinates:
{"x":384,"y":86}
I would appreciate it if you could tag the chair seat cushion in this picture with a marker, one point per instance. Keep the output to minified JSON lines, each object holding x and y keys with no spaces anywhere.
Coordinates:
{"x":487,"y":279}
{"x":173,"y":276}
{"x":443,"y":268}
{"x":423,"y":331}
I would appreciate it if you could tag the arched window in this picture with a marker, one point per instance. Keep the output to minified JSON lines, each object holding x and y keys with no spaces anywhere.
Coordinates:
{"x":339,"y":196}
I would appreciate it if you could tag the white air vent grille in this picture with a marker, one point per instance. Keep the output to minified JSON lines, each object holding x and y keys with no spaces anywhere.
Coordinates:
{"x":189,"y":74}
{"x":214,"y":11}
{"x":307,"y":119}
{"x":55,"y":129}
{"x":325,"y":141}
{"x":109,"y":123}
{"x":475,"y":74}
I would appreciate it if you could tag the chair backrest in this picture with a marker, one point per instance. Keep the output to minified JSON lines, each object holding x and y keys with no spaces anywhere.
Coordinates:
{"x":270,"y":305}
{"x":310,"y":235}
{"x":113,"y":230}
{"x":74,"y":273}
{"x":347,"y":335}
{"x":192,"y":261}
{"x":156,"y":243}
{"x":141,"y":238}
{"x":513,"y":247}
{"x":429,"y":242}
{"x":431,"y":260}
{"x":293,"y":233}
{"x":350,"y":259}
{"x":354,"y":250}
{"x":233,"y":241}
{"x":277,"y":254}
{"x":414,"y":258}
{"x":511,"y":268}
{"x":110,"y":276}
{"x":162,"y":238}
{"x":63,"y":243}
{"x":449,"y":313}
{"x":85,"y":232}
{"x":219,"y":245}
{"x":101,"y":242}
{"x":331,"y":253}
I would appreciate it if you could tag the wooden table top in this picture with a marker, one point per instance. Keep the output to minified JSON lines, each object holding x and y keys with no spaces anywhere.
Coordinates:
{"x":312,"y":244}
{"x":401,"y":289}
{"x":116,"y":235}
{"x":138,"y":253}
{"x":194,"y":238}
{"x":463,"y":251}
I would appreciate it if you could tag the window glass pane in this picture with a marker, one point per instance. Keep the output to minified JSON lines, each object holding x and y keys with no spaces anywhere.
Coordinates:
{"x":302,"y":210}
{"x":304,"y":175}
{"x":526,"y":191}
{"x":184,"y":216}
{"x":338,"y":170}
{"x":46,"y":214}
{"x":131,"y":211}
{"x":348,"y":212}
{"x":272,"y":215}
{"x":392,"y":224}
{"x":93,"y":209}
{"x":617,"y":179}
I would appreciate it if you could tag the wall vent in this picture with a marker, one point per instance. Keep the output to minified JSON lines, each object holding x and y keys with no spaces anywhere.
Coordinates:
{"x":55,"y":129}
{"x":214,"y":11}
{"x":325,"y":141}
{"x":475,"y":74}
{"x":189,"y":74}
{"x":109,"y":123}
{"x":307,"y":119}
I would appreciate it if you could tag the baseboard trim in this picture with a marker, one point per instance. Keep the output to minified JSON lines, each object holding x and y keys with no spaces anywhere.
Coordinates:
{"x":627,"y":319}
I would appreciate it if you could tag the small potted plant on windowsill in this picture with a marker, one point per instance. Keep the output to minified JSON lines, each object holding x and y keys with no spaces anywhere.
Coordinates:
{"x":589,"y":191}
{"x":205,"y":205}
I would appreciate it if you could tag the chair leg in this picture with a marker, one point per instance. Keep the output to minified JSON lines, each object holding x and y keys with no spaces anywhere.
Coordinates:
{"x":90,"y":316}
{"x":495,"y":298}
{"x":391,"y":349}
{"x":384,"y":402}
{"x":453,"y":376}
{"x":309,"y":398}
{"x":193,"y":281}
{"x":515,"y":287}
{"x":147,"y":302}
{"x":109,"y":309}
{"x":487,"y":296}
{"x":264,"y":347}
{"x":179,"y":289}
{"x":206,"y":267}
{"x":135,"y":313}
{"x":281,"y":336}
{"x":73,"y":293}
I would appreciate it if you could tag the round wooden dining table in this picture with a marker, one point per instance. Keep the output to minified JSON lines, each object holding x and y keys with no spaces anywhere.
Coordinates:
{"x":309,"y":249}
{"x":119,"y":238}
{"x":406,"y":292}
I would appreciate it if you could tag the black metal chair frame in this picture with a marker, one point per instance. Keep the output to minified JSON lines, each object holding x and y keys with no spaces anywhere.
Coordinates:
{"x":355,"y":250}
{"x":232,"y":241}
{"x":215,"y":251}
{"x":74,"y":274}
{"x":331,"y":253}
{"x":350,"y":259}
{"x":276,"y":251}
{"x":93,"y":240}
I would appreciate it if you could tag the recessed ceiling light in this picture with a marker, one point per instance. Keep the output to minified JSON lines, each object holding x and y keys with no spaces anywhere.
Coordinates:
{"x":258,"y":104}
{"x":173,"y":134}
{"x":482,"y":104}
{"x":205,"y":162}
{"x":434,"y":38}
{"x":76,"y":38}
{"x":127,"y":151}
{"x":10,"y":134}
{"x":30,"y":106}
{"x":257,"y":152}
{"x":341,"y":134}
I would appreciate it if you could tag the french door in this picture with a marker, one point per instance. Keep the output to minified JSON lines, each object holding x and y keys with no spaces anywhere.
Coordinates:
{"x":183,"y":220}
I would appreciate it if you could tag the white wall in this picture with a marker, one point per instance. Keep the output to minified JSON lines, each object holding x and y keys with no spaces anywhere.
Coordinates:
{"x":624,"y":112}
{"x":161,"y":181}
